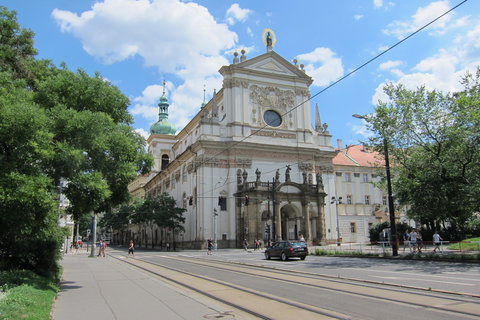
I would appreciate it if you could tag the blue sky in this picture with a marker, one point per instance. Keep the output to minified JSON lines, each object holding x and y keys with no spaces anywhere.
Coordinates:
{"x":138,"y":44}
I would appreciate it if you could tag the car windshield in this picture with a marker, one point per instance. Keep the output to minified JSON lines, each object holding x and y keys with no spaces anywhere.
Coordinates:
{"x":298,"y":244}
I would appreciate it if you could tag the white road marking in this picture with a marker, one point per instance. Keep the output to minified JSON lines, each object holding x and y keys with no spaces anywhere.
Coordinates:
{"x":422,"y":276}
{"x":403,"y":278}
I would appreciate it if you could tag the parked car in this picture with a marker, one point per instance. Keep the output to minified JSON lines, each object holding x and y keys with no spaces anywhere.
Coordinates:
{"x":287,"y":249}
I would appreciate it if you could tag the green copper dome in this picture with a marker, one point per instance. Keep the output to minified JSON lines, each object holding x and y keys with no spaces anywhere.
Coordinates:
{"x":163,"y":126}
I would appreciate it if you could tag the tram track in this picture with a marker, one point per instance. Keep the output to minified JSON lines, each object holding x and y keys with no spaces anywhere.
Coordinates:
{"x":410,"y":296}
{"x":259,"y":305}
{"x":248,"y":300}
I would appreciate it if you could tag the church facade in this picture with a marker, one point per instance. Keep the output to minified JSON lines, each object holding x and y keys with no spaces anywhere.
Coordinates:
{"x":250,"y":164}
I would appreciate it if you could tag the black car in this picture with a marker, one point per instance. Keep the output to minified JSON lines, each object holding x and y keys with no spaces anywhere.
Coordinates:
{"x":287,"y":249}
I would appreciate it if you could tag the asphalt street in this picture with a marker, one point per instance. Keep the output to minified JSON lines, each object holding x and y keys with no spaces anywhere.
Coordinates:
{"x":450,"y":276}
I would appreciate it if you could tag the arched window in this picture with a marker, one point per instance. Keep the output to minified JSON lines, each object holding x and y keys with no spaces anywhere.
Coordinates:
{"x":165,"y":161}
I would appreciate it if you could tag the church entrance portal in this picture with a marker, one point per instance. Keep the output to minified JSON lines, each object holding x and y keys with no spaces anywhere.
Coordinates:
{"x":289,"y":223}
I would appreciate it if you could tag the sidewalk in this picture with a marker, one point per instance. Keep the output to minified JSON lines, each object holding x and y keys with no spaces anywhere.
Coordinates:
{"x":105,"y":288}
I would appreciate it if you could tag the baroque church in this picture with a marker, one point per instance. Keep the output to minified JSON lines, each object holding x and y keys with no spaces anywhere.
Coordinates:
{"x":250,"y":164}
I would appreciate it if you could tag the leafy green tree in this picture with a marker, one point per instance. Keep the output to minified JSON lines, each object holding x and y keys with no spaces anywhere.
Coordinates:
{"x":159,"y":211}
{"x":29,"y":235}
{"x":16,"y":46}
{"x":57,"y":124}
{"x":119,"y":218}
{"x":433,"y":140}
{"x":171,"y":216}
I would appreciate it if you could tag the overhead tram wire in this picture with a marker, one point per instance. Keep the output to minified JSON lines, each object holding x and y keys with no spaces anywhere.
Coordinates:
{"x":337,"y":81}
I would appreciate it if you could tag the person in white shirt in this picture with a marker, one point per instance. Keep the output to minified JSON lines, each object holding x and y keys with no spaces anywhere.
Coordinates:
{"x":436,"y":241}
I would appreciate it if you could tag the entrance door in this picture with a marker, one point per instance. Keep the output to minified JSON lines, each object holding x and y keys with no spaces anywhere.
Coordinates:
{"x":289,"y":223}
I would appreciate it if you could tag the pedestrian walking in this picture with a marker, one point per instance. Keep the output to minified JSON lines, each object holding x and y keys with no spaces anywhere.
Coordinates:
{"x":406,"y":241}
{"x":302,"y":239}
{"x":131,"y":249}
{"x":413,"y":239}
{"x":245,"y":244}
{"x":419,"y":242}
{"x":437,"y":241}
{"x":209,"y":246}
{"x":101,"y":249}
{"x":168,"y":246}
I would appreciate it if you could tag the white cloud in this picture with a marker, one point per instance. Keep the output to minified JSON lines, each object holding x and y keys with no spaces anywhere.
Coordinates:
{"x":358,"y":16}
{"x":390,"y":64}
{"x":235,"y":13}
{"x":178,"y":38}
{"x":143,"y":133}
{"x":378,"y":3}
{"x":422,"y":16}
{"x":322,"y":65}
{"x":443,"y":70}
{"x":362,"y":129}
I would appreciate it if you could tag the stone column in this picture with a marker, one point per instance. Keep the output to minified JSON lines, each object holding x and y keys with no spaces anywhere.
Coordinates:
{"x":278,"y":222}
{"x":306,"y":222}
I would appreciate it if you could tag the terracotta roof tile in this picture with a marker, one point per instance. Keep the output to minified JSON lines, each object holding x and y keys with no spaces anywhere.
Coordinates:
{"x":357,"y":155}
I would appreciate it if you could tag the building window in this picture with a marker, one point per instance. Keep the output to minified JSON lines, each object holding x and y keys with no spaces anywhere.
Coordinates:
{"x":384,"y":200}
{"x":222,"y":202}
{"x":365,"y":177}
{"x":165,"y":161}
{"x":367,"y":199}
{"x":349,"y":199}
{"x":348,"y":177}
{"x":338,"y":174}
{"x":356,"y":175}
{"x":353,"y":228}
{"x":272,"y":118}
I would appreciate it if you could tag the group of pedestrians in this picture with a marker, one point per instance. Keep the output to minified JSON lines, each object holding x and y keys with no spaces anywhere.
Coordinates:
{"x":414,"y":241}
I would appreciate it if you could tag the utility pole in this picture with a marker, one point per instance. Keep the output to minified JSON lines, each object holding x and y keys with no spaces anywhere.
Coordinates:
{"x":94,"y":236}
{"x":274,"y":235}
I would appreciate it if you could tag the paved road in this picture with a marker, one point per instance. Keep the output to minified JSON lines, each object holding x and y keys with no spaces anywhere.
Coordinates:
{"x":450,"y":276}
{"x":343,"y":297}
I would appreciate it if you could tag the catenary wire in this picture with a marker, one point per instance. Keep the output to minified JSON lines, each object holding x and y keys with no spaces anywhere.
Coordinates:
{"x":325,"y":89}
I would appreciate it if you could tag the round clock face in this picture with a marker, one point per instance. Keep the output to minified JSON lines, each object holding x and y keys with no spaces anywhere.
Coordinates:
{"x":272,"y":118}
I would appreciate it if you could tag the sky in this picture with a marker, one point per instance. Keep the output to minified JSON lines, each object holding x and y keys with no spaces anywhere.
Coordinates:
{"x":136,"y":45}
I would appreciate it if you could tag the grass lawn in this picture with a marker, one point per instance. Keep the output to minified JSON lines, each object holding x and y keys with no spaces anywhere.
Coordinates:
{"x":25,"y":295}
{"x":468,"y":244}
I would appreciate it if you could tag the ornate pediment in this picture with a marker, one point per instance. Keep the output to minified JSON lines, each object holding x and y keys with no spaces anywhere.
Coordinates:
{"x":272,"y":65}
{"x":272,"y":97}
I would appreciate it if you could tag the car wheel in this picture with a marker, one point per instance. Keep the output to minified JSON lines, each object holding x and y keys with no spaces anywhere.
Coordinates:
{"x":284,"y":256}
{"x":267,"y":255}
{"x":302,"y":258}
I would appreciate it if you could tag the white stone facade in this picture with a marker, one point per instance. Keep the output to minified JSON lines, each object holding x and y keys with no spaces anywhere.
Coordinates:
{"x":259,"y":123}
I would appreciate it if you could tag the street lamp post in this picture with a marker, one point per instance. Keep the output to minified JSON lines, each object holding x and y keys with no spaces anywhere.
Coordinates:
{"x":393,"y":227}
{"x":337,"y":201}
{"x":215,"y":214}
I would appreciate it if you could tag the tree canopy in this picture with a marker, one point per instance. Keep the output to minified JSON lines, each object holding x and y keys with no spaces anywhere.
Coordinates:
{"x":434,"y":144}
{"x":56,"y":124}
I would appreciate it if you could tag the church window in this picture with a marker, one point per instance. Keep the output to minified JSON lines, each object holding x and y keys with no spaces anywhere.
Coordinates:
{"x":272,"y":118}
{"x":353,"y":227}
{"x":165,"y":161}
